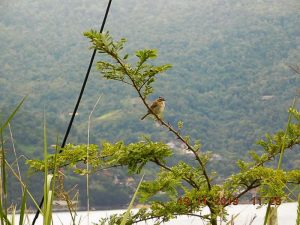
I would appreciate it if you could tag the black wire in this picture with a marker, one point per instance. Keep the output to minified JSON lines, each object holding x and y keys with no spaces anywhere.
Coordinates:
{"x":77,"y":103}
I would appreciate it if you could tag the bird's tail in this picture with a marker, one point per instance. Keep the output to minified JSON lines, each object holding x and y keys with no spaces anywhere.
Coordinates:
{"x":145,"y":116}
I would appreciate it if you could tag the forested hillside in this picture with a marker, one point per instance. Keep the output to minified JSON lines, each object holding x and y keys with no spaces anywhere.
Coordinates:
{"x":230,"y":82}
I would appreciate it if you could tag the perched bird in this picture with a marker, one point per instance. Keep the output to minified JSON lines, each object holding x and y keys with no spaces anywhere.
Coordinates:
{"x":157,"y":107}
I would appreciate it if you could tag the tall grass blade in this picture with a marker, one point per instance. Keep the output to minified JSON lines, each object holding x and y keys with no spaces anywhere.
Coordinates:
{"x":3,"y":177}
{"x":24,"y":186}
{"x":1,"y":213}
{"x":14,"y":150}
{"x":87,"y":162}
{"x":13,"y":214}
{"x":284,"y":136}
{"x":273,"y":216}
{"x":280,"y":161}
{"x":48,"y":188}
{"x":23,"y":206}
{"x":298,"y":211}
{"x":12,"y":115}
{"x":126,"y":215}
{"x":3,"y":216}
{"x":232,"y":219}
{"x":3,"y":202}
{"x":47,"y":179}
{"x":45,"y":164}
{"x":48,"y":213}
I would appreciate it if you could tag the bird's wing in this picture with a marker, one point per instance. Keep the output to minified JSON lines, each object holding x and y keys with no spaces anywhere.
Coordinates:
{"x":154,"y":105}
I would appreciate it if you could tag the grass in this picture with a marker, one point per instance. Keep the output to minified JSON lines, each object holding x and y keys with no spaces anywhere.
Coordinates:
{"x":298,"y":211}
{"x":9,"y":218}
{"x":3,"y":192}
{"x":49,"y":181}
{"x":127,"y":213}
{"x":271,"y":212}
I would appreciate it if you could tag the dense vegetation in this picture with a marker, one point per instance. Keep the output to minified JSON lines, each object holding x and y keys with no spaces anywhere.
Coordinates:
{"x":226,"y":57}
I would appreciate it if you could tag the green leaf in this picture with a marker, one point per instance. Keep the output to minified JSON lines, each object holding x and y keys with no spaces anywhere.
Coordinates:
{"x":126,"y":215}
{"x":12,"y":114}
{"x":180,"y":124}
{"x":23,"y":206}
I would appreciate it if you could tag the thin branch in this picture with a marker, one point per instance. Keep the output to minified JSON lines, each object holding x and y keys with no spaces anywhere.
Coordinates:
{"x":294,"y":68}
{"x":175,"y":214}
{"x":249,"y":187}
{"x":126,"y":82}
{"x":276,"y":153}
{"x":188,"y":180}
{"x":140,"y":88}
{"x":14,"y":149}
{"x":293,"y":182}
{"x":170,"y":128}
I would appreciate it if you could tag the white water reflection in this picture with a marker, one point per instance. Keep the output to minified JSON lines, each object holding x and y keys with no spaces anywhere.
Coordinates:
{"x":287,"y":213}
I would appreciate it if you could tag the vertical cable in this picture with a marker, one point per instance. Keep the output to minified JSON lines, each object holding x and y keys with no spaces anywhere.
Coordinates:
{"x":78,"y":101}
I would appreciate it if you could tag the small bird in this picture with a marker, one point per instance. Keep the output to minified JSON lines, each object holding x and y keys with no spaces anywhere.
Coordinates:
{"x":157,"y":107}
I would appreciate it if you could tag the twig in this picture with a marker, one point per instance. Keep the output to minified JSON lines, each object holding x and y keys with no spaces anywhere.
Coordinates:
{"x":14,"y":150}
{"x":250,"y":187}
{"x":140,"y":88}
{"x":169,"y":127}
{"x":294,"y":68}
{"x":188,"y":180}
{"x":175,"y":214}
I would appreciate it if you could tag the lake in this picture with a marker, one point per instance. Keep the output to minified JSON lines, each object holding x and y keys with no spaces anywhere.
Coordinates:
{"x":287,"y":213}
